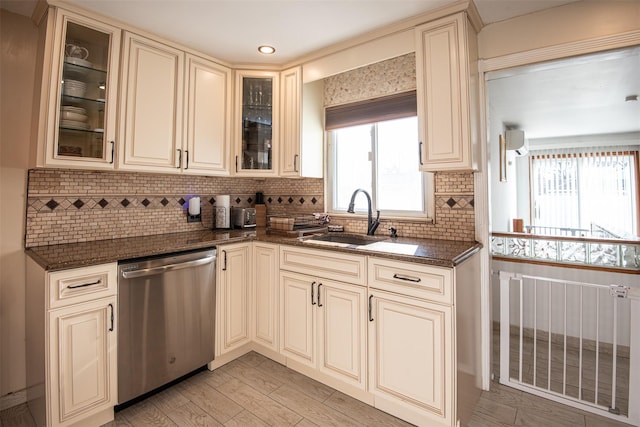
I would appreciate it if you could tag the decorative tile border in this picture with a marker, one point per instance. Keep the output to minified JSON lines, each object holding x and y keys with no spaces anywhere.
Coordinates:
{"x":454,"y":201}
{"x":105,"y":202}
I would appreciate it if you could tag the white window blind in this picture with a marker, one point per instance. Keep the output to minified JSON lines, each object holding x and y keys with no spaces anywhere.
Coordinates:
{"x":580,"y":192}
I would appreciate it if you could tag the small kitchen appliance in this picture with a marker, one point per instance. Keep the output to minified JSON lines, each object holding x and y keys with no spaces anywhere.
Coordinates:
{"x":222,"y":212}
{"x":243,"y":217}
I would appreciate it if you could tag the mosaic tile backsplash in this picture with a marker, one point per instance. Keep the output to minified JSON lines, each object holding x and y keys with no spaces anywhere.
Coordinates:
{"x":68,"y":206}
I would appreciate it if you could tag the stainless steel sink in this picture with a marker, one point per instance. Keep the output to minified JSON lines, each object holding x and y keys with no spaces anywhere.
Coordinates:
{"x":340,"y":239}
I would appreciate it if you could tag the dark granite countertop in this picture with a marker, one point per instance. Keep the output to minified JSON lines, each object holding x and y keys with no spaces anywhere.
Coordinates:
{"x":442,"y":253}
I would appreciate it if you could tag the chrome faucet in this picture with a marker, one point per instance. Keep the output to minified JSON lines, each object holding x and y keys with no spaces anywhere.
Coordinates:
{"x":371,"y":223}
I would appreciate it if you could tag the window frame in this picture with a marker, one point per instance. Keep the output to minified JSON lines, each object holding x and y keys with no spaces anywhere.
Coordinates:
{"x":428,"y":183}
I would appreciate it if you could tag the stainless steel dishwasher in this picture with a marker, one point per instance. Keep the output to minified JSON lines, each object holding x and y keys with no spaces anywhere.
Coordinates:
{"x":166,"y":319}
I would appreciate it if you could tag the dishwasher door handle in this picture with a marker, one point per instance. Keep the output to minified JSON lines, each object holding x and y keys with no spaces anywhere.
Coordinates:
{"x":166,"y":268}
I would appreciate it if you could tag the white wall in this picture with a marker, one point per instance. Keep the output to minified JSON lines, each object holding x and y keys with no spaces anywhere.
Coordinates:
{"x":582,"y":20}
{"x":18,"y":37}
{"x":503,"y":194}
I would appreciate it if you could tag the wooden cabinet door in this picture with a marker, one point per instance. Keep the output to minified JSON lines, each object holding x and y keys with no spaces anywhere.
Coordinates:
{"x":234,"y":271}
{"x":82,"y":360}
{"x":410,"y":356}
{"x":151,"y":106}
{"x":342,"y":331}
{"x":442,"y":78}
{"x":208,"y":127}
{"x":265,"y":295}
{"x":290,"y":86}
{"x":85,"y":143}
{"x":297,"y":317}
{"x":257,"y":118}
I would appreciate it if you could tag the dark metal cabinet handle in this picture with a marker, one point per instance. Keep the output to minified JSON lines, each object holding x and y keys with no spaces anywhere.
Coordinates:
{"x":224,"y":265}
{"x":420,"y":152}
{"x":407,"y":278}
{"x":313,"y":301}
{"x":370,"y":313}
{"x":113,"y":152}
{"x":319,"y":286}
{"x":111,"y":307}
{"x":295,"y":163}
{"x":179,"y":158}
{"x":187,"y":153}
{"x":84,"y":285}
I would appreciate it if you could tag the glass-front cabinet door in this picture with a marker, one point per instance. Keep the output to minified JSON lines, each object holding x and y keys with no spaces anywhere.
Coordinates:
{"x":82,"y":104}
{"x":256,"y":145}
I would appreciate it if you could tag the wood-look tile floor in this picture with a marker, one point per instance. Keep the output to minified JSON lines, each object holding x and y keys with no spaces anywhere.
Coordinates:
{"x":256,"y":391}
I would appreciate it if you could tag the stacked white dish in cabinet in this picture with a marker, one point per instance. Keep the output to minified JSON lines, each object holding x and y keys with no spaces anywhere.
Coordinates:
{"x":73,"y":117}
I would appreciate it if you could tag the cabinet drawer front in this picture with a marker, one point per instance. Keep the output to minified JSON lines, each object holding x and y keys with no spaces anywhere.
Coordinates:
{"x":417,"y":280}
{"x":328,"y":264}
{"x":82,"y":284}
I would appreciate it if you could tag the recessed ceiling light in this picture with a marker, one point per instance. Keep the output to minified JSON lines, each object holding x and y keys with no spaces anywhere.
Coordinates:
{"x":267,"y":50}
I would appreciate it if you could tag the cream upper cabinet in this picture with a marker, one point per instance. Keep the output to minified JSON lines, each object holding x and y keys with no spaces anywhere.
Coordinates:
{"x":234,"y":273}
{"x":78,"y":99}
{"x":154,"y":136}
{"x":256,"y":123}
{"x":72,"y":326}
{"x":446,"y":78}
{"x":265,"y":295}
{"x":151,"y":106}
{"x":208,"y":125}
{"x":290,"y":136}
{"x":302,"y":126}
{"x":410,"y":358}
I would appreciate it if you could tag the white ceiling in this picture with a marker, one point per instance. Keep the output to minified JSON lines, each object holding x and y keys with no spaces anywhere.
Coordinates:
{"x":231,"y":30}
{"x":573,"y":97}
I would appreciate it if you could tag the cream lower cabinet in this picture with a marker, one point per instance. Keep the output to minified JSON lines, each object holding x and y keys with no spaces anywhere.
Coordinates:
{"x":72,"y":345}
{"x":410,"y":358}
{"x":83,"y":343}
{"x":424,"y":340}
{"x":233,"y":317}
{"x":322,"y":317}
{"x":265,"y":295}
{"x":324,"y":327}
